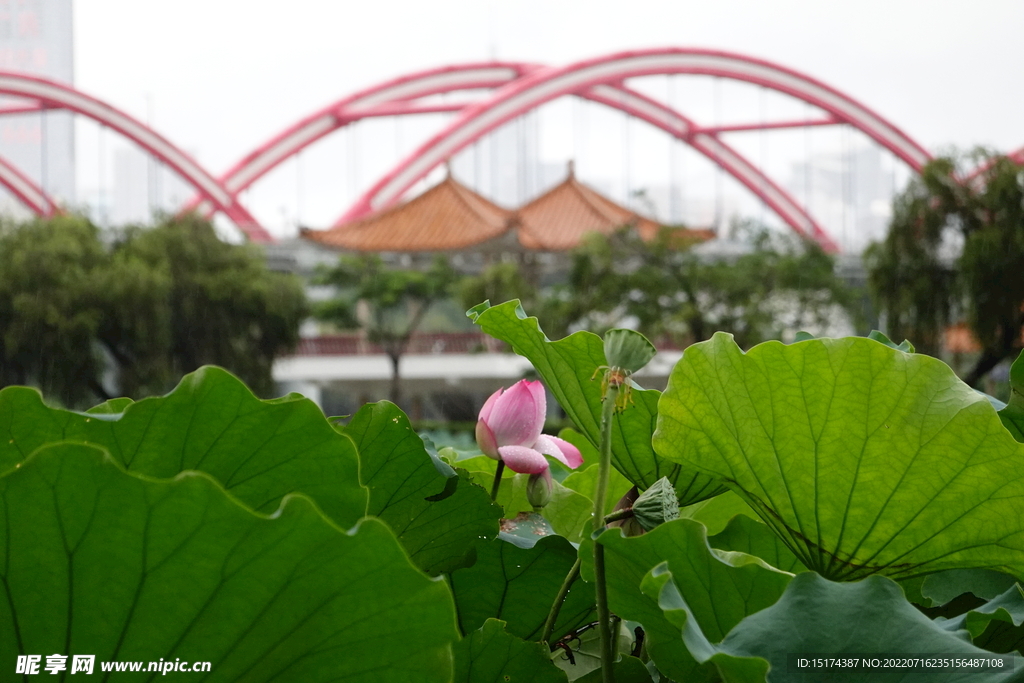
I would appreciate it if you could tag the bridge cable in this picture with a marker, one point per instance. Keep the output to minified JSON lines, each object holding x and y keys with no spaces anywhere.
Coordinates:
{"x":717,"y":157}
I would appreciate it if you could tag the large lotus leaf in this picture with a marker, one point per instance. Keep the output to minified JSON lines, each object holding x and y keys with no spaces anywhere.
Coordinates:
{"x":518,"y":585}
{"x":437,"y":513}
{"x":868,"y":618}
{"x":585,"y":483}
{"x":94,"y":560}
{"x":864,"y":459}
{"x":942,"y":587}
{"x":995,"y":626}
{"x":715,"y":513}
{"x":259,"y":450}
{"x":1013,"y":414}
{"x":567,"y":511}
{"x":627,"y":670}
{"x":525,"y":530}
{"x":746,"y":535}
{"x":579,"y":655}
{"x":569,"y":368}
{"x":723,"y":588}
{"x":490,"y":655}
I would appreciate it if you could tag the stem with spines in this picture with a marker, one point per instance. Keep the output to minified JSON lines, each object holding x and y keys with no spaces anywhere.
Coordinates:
{"x":601,"y":589}
{"x":556,"y":606}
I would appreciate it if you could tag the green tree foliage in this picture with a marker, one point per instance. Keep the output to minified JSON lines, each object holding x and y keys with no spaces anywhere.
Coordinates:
{"x":670,"y":290}
{"x":51,"y":305}
{"x":221,"y":306}
{"x":955,"y":250}
{"x":387,"y":303}
{"x":496,"y":283}
{"x":152,"y":305}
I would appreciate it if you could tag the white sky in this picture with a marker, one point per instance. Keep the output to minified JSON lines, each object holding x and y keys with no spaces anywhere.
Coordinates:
{"x":218,"y":77}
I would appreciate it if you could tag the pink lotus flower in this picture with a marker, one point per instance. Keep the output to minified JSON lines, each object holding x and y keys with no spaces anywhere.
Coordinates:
{"x":509,"y":430}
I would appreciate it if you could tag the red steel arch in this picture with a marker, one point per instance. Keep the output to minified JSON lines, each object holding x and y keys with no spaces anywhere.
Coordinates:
{"x":384,"y":99}
{"x":27,"y":192}
{"x":718,"y":151}
{"x":397,"y":97}
{"x":544,"y":85}
{"x":53,"y":95}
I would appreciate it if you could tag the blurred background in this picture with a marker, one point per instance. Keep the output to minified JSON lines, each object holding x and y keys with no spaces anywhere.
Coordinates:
{"x":311,"y":194}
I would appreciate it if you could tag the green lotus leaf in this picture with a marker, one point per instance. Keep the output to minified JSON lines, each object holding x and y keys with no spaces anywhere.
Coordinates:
{"x":518,"y":585}
{"x":942,"y":587}
{"x":96,"y":560}
{"x":996,"y":625}
{"x":567,"y":512}
{"x":879,"y":337}
{"x":490,"y":655}
{"x":114,"y":406}
{"x":260,"y":451}
{"x":585,"y":483}
{"x":627,"y":670}
{"x":437,"y":513}
{"x":1013,"y":414}
{"x":817,"y":616}
{"x":723,"y":587}
{"x":525,"y":530}
{"x":746,"y":535}
{"x":579,"y":655}
{"x":715,"y":513}
{"x":568,"y":368}
{"x":864,"y":459}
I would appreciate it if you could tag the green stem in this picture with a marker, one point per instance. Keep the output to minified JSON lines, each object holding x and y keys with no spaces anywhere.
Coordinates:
{"x":556,"y":606}
{"x":605,"y":462}
{"x":615,"y":637}
{"x":601,"y":589}
{"x":625,"y":513}
{"x":497,"y":480}
{"x":604,"y":627}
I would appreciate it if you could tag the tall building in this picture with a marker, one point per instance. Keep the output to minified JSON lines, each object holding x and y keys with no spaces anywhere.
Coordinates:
{"x":36,"y":38}
{"x":849,"y":193}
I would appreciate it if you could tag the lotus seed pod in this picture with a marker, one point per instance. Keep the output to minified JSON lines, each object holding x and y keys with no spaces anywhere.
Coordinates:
{"x":656,"y":505}
{"x":627,"y":349}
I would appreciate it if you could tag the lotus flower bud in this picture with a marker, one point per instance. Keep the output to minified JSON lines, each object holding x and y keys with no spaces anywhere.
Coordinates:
{"x":538,"y":489}
{"x":656,"y":505}
{"x":509,"y":429}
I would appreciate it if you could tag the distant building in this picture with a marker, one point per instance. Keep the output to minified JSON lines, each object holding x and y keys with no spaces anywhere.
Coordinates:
{"x":36,"y":38}
{"x":850,"y":193}
{"x":448,"y":375}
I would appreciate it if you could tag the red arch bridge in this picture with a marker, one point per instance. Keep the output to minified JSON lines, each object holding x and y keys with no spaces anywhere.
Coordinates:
{"x":493,"y":94}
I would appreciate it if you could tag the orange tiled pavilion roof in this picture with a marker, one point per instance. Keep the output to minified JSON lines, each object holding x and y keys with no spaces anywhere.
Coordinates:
{"x":446,"y":217}
{"x":558,"y":219}
{"x":450,"y":216}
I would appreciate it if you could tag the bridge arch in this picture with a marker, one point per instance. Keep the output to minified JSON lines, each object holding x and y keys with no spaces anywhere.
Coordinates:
{"x":397,"y":97}
{"x":543,"y":85}
{"x":52,"y":95}
{"x":392,"y":97}
{"x":27,"y":192}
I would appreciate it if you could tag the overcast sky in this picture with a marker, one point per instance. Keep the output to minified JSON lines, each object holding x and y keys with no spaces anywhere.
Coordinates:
{"x":221,"y":76}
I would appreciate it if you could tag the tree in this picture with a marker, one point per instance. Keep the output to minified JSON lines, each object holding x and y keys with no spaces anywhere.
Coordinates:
{"x":669,"y":290}
{"x":147,"y":308}
{"x":51,"y":305}
{"x":211,"y":302}
{"x":388,"y":304}
{"x":955,"y":250}
{"x":498,"y":282}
